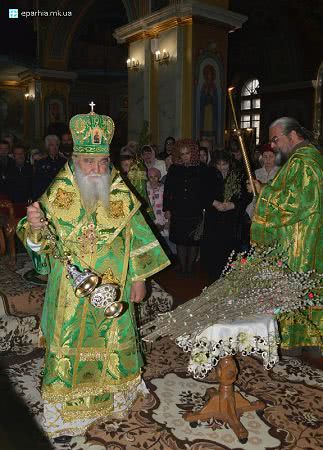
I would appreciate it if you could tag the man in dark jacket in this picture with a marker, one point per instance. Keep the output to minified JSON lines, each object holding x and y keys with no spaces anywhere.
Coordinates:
{"x":47,"y":168}
{"x":19,"y":177}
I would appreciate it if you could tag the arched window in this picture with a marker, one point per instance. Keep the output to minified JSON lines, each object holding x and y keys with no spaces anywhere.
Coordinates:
{"x":250,"y":106}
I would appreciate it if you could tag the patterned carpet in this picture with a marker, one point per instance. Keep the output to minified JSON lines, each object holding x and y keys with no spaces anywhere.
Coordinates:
{"x":292,"y":391}
{"x":293,"y":418}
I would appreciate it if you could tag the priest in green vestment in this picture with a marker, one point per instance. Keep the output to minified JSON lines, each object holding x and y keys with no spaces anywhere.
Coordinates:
{"x":89,"y":219}
{"x":289,"y":211}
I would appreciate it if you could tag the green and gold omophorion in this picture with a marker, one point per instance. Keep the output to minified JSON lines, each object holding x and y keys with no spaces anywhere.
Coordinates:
{"x":92,"y":364}
{"x":290,"y":212}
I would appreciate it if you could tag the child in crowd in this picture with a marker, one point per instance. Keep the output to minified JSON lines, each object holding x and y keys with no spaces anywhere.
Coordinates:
{"x":155,"y":190}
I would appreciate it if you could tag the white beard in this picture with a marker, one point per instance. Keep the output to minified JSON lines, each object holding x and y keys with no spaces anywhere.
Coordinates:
{"x":93,"y":188}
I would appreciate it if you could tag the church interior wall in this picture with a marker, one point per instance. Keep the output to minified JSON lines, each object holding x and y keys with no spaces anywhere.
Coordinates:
{"x":219,"y":3}
{"x":275,"y":46}
{"x":104,"y":94}
{"x":298,"y":103}
{"x":210,"y":36}
{"x":168,"y":76}
{"x":12,"y":104}
{"x":210,"y":41}
{"x":280,"y":46}
{"x":138,"y":91}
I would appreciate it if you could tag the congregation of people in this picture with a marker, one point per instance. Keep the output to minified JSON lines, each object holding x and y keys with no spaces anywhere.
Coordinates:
{"x":196,"y":206}
{"x":25,"y":174}
{"x":200,"y":204}
{"x":195,"y":195}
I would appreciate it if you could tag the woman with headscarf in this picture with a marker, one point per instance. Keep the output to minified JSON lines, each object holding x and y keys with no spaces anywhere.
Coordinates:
{"x":148,"y":154}
{"x":184,"y":201}
{"x":223,"y":215}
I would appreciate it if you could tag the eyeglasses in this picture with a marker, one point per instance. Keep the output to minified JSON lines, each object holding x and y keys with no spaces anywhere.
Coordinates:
{"x":275,"y":139}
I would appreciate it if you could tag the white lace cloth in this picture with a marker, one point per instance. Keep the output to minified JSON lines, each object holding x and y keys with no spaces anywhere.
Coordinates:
{"x":256,"y":335}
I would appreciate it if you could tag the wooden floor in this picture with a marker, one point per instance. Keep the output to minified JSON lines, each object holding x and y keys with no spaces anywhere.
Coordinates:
{"x":182,"y":288}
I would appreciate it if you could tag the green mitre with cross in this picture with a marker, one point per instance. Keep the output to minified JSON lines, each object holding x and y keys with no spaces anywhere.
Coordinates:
{"x":92,"y":133}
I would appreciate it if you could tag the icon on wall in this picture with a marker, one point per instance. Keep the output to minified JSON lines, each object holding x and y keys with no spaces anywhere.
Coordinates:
{"x":55,"y":115}
{"x":209,"y":100}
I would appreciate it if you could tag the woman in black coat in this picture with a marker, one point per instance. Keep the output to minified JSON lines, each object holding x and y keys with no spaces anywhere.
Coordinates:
{"x":184,"y":201}
{"x":223,"y":215}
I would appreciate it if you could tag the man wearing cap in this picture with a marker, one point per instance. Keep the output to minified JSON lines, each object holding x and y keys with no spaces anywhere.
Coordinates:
{"x":88,"y":219}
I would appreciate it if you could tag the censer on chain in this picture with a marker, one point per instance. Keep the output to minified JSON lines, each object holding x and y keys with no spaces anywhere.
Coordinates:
{"x":86,"y":284}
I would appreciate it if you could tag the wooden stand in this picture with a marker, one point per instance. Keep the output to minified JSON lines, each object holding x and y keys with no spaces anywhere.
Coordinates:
{"x":225,"y":404}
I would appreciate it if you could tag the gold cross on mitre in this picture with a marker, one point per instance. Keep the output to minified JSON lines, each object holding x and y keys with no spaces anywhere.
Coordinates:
{"x":92,"y":104}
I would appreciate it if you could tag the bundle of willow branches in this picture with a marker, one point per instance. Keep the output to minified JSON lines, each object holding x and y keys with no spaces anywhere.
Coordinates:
{"x":258,"y":282}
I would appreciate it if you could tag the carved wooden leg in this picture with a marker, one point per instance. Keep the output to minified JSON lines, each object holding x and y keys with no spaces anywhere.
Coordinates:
{"x":225,"y":404}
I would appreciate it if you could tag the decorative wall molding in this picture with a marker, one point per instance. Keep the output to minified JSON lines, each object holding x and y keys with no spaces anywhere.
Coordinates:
{"x":46,"y":74}
{"x":174,"y":15}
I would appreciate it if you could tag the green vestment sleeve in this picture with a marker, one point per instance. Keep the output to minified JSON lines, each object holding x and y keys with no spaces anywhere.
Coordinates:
{"x":289,"y":211}
{"x":146,"y":255}
{"x":40,"y":258}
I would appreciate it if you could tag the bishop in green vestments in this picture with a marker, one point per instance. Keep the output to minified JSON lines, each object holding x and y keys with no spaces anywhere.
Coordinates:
{"x":89,"y":218}
{"x":289,"y":211}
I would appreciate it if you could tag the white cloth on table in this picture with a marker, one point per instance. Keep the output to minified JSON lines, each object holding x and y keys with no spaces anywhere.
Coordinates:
{"x":256,"y":335}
